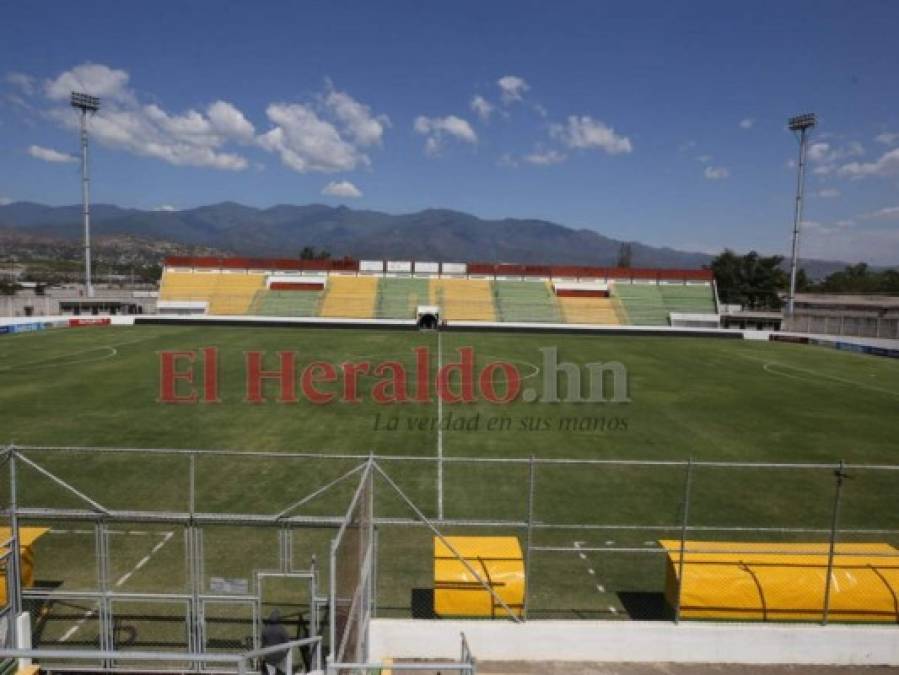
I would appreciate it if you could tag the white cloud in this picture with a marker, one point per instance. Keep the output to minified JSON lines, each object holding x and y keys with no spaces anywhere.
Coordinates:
{"x":481,"y":107}
{"x":704,"y":159}
{"x":545,"y":157}
{"x":25,"y":83}
{"x":716,"y":172}
{"x":512,"y":88}
{"x":342,"y":188}
{"x":166,"y":207}
{"x":306,"y":142}
{"x":358,"y":122}
{"x":507,"y":160}
{"x":586,"y":133}
{"x":91,"y":78}
{"x":437,"y":129}
{"x":888,"y":213}
{"x":50,"y":155}
{"x":828,"y":193}
{"x":826,"y":156}
{"x":747,"y":123}
{"x":230,"y":122}
{"x":846,"y":240}
{"x":886,"y":165}
{"x":5,"y":201}
{"x":887,"y":138}
{"x":191,"y":138}
{"x":818,"y":152}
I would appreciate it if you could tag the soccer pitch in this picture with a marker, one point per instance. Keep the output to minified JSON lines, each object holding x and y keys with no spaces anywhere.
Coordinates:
{"x":705,"y":399}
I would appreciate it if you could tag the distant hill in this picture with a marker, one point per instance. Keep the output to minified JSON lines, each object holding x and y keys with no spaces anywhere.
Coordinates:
{"x":282,"y":230}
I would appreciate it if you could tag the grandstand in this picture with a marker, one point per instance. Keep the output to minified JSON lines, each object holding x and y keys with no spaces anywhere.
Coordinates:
{"x":526,"y":301}
{"x":225,"y":292}
{"x":350,"y":297}
{"x":398,"y":297}
{"x":463,"y":299}
{"x":464,"y":292}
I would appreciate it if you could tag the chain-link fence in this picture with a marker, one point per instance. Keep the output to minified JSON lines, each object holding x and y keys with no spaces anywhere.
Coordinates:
{"x":200,"y":564}
{"x":352,"y":575}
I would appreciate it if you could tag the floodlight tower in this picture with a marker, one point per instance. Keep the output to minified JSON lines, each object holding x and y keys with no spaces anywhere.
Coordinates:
{"x":86,"y":104}
{"x":803,"y":124}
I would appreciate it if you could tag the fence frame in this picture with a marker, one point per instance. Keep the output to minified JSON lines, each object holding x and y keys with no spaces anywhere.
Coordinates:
{"x":287,"y":520}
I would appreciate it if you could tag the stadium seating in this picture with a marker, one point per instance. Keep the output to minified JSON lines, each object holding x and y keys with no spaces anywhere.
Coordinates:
{"x":460,"y":299}
{"x":286,"y":303}
{"x":590,"y":310}
{"x":649,"y":305}
{"x":688,"y":299}
{"x":225,"y":293}
{"x":350,"y":297}
{"x":399,"y":297}
{"x":526,"y":301}
{"x":463,"y":299}
{"x":643,"y":304}
{"x":233,"y":293}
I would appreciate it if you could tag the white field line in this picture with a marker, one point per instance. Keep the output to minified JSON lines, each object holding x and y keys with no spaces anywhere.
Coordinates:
{"x":592,"y":572}
{"x":816,"y":376}
{"x":166,"y":536}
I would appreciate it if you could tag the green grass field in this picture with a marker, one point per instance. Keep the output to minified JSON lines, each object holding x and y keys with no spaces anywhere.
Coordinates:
{"x":708,"y":399}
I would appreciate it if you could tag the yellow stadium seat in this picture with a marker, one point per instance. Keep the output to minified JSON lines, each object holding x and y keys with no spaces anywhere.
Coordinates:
{"x":350,"y":297}
{"x":463,"y":299}
{"x":226,"y":293}
{"x":590,"y":310}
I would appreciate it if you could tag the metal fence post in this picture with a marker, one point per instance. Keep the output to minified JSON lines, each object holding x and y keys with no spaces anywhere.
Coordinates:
{"x":532,"y":467}
{"x":332,"y":610}
{"x":15,"y":558}
{"x":688,"y":483}
{"x":840,"y":475}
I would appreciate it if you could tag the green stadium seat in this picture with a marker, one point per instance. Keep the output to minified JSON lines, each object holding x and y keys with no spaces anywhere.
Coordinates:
{"x":526,"y":301}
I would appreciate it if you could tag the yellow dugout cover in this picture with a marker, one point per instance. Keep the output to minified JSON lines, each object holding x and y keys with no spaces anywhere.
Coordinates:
{"x":767,"y":581}
{"x":27,"y":537}
{"x":497,"y":560}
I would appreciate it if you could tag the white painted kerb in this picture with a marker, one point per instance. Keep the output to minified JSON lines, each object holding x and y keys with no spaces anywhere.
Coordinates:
{"x":637,"y":641}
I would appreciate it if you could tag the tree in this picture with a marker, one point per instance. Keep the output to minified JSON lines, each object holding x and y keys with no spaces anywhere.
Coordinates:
{"x":624,"y":255}
{"x":751,"y":280}
{"x":860,"y":279}
{"x":309,"y":253}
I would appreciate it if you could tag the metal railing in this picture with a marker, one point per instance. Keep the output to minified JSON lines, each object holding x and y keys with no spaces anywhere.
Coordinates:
{"x":588,"y":527}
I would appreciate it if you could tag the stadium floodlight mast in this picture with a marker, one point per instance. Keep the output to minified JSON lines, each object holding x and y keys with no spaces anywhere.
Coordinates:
{"x":86,"y":104}
{"x":802,"y":124}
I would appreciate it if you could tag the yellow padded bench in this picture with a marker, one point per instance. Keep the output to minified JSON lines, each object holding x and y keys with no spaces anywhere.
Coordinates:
{"x":350,"y":297}
{"x":775,"y":581}
{"x":497,"y":560}
{"x":463,"y":299}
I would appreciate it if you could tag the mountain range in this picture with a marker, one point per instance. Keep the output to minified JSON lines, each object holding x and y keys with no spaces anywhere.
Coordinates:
{"x":283,"y":230}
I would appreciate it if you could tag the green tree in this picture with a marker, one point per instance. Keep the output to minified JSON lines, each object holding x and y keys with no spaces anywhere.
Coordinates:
{"x":625,"y":255}
{"x":309,"y":253}
{"x":861,"y":279}
{"x":751,"y":280}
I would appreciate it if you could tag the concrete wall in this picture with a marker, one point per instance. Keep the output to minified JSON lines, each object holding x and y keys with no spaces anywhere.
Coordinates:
{"x":637,"y":641}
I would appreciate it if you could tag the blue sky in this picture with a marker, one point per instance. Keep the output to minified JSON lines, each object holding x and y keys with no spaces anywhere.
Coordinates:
{"x":658,"y":122}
